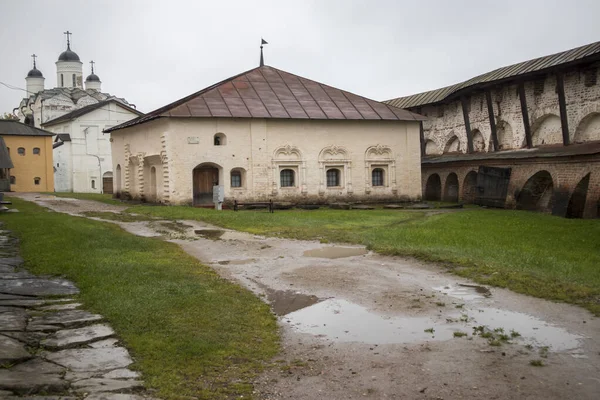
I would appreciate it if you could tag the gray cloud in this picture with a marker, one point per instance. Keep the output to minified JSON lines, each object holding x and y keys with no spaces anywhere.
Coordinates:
{"x":154,"y":52}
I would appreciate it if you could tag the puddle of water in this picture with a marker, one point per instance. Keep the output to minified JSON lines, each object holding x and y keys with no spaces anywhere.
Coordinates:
{"x":335,"y":252}
{"x":532,"y":330}
{"x":342,"y":321}
{"x":212,"y":234}
{"x":237,"y":262}
{"x":464,"y":291}
{"x":287,"y":301}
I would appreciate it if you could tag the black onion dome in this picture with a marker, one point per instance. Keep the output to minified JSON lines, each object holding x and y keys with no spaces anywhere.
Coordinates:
{"x":68,"y":55}
{"x":92,"y":78}
{"x":35,"y":73}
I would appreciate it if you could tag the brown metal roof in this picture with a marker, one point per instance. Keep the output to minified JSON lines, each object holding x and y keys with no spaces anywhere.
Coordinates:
{"x":267,"y":92}
{"x":577,"y":54}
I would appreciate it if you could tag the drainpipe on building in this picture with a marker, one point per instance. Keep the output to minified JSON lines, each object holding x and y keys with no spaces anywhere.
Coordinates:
{"x":99,"y":163}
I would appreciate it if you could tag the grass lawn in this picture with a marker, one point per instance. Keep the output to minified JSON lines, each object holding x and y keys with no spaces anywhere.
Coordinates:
{"x":189,"y":331}
{"x":103,"y":198}
{"x":531,"y":253}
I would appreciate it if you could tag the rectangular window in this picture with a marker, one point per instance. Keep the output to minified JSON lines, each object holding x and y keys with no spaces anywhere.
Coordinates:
{"x":36,"y":181}
{"x":377,"y":177}
{"x":74,"y":81}
{"x":36,"y":150}
{"x":287,"y":178}
{"x":62,"y":80}
{"x":21,"y":151}
{"x":236,"y":180}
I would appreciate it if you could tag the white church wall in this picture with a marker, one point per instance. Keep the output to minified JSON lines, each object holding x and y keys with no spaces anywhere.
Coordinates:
{"x":90,"y":147}
{"x":261,"y":148}
{"x":63,"y":168}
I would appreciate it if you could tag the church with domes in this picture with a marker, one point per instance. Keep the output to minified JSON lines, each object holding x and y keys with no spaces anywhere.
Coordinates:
{"x":77,"y":111}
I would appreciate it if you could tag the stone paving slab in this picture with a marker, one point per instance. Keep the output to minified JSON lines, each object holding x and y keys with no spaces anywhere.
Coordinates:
{"x":13,"y":320}
{"x":81,"y":360}
{"x":73,"y":337}
{"x":38,"y":366}
{"x":26,"y":383}
{"x":105,"y":385}
{"x":123,"y":373}
{"x":60,"y":307}
{"x":67,"y":318}
{"x":22,"y":302}
{"x":104,"y":343}
{"x":38,"y":287}
{"x":12,"y":351}
{"x":114,"y":396}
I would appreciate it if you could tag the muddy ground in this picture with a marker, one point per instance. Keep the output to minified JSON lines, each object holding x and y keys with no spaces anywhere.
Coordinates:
{"x":356,"y":324}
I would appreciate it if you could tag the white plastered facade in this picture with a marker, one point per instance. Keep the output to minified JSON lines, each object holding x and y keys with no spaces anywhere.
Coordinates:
{"x":167,"y":150}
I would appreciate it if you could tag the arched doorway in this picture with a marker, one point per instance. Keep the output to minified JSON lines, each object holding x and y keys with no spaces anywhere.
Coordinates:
{"x":152,"y":191}
{"x":107,"y":182}
{"x":205,"y":176}
{"x":470,"y":188}
{"x":433,"y":188}
{"x":536,"y":195}
{"x":451,"y":188}
{"x":577,"y":200}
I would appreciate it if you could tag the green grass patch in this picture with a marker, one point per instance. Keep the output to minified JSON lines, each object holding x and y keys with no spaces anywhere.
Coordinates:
{"x":531,"y":253}
{"x":101,"y":197}
{"x":191,"y":333}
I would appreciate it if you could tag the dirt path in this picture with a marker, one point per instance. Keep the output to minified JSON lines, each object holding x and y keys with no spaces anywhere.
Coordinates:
{"x":368,"y":326}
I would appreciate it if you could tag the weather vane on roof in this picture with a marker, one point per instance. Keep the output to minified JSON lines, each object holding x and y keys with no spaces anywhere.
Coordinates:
{"x":262,"y":42}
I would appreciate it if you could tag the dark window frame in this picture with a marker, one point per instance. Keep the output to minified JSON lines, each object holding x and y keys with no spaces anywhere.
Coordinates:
{"x":287,"y":178}
{"x":36,"y":151}
{"x":333,"y":177}
{"x":378,"y":177}
{"x":236,"y":178}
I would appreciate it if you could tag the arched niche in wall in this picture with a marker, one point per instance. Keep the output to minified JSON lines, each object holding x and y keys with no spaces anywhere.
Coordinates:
{"x":431,"y":148}
{"x":478,"y":141}
{"x":335,"y":157}
{"x":288,"y":157}
{"x":546,"y":130}
{"x":452,"y":145}
{"x":380,"y":159}
{"x":537,"y":193}
{"x":505,"y":135}
{"x":588,"y":129}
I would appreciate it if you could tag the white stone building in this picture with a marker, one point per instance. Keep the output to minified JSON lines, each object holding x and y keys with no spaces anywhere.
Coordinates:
{"x":80,"y":114}
{"x":82,"y":156}
{"x":267,"y":134}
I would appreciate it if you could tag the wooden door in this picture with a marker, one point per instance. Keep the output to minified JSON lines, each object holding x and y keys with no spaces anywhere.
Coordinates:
{"x":107,"y":185}
{"x":204,"y":180}
{"x":492,"y":186}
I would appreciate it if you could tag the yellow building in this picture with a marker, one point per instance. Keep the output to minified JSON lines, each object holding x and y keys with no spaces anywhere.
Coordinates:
{"x":30,"y":150}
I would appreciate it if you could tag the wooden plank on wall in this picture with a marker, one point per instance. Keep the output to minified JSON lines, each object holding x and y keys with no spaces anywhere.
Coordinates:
{"x":464,"y":102}
{"x":525,"y":114}
{"x":490,"y":106}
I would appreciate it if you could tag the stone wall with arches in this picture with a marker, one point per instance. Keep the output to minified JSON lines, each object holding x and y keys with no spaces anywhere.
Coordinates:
{"x":582,"y":96}
{"x":563,"y":186}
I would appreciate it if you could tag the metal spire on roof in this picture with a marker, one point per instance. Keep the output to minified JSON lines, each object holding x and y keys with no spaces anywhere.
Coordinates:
{"x":92,"y":64}
{"x":262,"y":60}
{"x":68,"y":39}
{"x":34,"y":57}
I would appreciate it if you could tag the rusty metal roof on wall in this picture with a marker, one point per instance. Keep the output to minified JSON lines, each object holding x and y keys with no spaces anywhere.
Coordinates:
{"x":267,"y":92}
{"x":528,"y":67}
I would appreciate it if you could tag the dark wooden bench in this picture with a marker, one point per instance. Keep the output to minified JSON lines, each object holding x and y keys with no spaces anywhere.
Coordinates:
{"x":6,"y":202}
{"x":269,"y":205}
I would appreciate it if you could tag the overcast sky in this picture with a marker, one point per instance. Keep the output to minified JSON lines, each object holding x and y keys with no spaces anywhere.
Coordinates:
{"x":155,"y":52}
